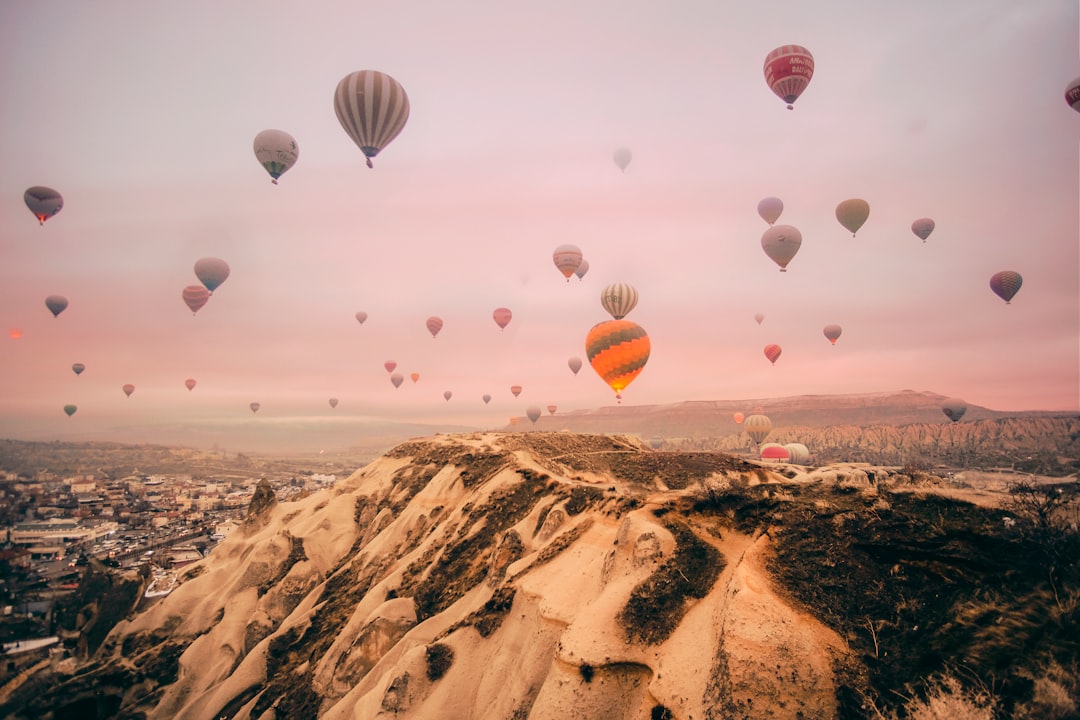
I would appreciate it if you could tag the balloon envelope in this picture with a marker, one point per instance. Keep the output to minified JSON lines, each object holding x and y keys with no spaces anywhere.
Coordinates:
{"x":619,"y":299}
{"x":852,"y":214}
{"x":44,"y":202}
{"x":333,"y":402}
{"x":277,"y":151}
{"x":486,"y":398}
{"x":758,"y":318}
{"x":1006,"y":284}
{"x":447,"y":394}
{"x":552,"y":408}
{"x":70,"y":409}
{"x":1072,"y":94}
{"x":397,"y":379}
{"x":770,"y":208}
{"x":361,"y":316}
{"x":211,"y":272}
{"x":567,"y":259}
{"x":832,"y":332}
{"x":56,"y":304}
{"x":434,"y":325}
{"x":389,"y":365}
{"x":798,"y":454}
{"x":780,"y":243}
{"x":772,"y":351}
{"x":954,"y":409}
{"x":372,"y":107}
{"x":254,"y":407}
{"x":922,"y":228}
{"x":195,"y":296}
{"x":757,"y":427}
{"x":502,"y":316}
{"x":414,"y":376}
{"x":617,"y":351}
{"x":622,"y":158}
{"x":738,"y":417}
{"x":533,"y":413}
{"x":78,"y":368}
{"x":582,"y":269}
{"x":574,"y":364}
{"x":128,"y":389}
{"x":788,"y":70}
{"x":774,"y":451}
{"x":516,"y":389}
{"x":190,"y":383}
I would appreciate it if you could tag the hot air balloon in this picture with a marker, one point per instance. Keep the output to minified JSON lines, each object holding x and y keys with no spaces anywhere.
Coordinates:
{"x":533,"y":413}
{"x":447,"y":395}
{"x":757,"y":427}
{"x":551,"y":409}
{"x":361,"y":316}
{"x":622,"y":158}
{"x":852,"y":214}
{"x":414,"y":376}
{"x":798,"y":454}
{"x":832,"y":332}
{"x":128,"y":389}
{"x":56,"y":304}
{"x":738,"y":417}
{"x":1072,"y":94}
{"x":582,"y":269}
{"x":486,"y":398}
{"x":44,"y":202}
{"x":788,"y":70}
{"x":954,"y":409}
{"x":758,"y":318}
{"x":255,"y":407}
{"x":774,"y":451}
{"x":277,"y":151}
{"x":567,"y":259}
{"x":516,"y":389}
{"x":78,"y":368}
{"x":70,"y":409}
{"x":15,"y":333}
{"x":781,"y":242}
{"x":333,"y":402}
{"x":922,"y":228}
{"x":190,"y":383}
{"x":195,"y":296}
{"x":434,"y":325}
{"x":770,"y":208}
{"x":389,"y":365}
{"x":619,"y":299}
{"x":211,"y":272}
{"x":1006,"y":284}
{"x":574,"y":364}
{"x":617,"y":351}
{"x":397,"y":379}
{"x":502,"y":317}
{"x":772,"y":351}
{"x":372,"y":107}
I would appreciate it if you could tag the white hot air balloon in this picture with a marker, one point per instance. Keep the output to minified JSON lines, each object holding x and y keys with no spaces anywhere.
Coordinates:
{"x":277,"y":151}
{"x":780,"y":243}
{"x":770,"y":208}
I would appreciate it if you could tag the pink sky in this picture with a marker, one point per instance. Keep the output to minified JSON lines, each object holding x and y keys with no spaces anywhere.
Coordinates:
{"x":143,"y":117}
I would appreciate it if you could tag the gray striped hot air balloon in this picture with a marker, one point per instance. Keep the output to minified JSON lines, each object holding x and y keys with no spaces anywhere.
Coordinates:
{"x":619,"y":299}
{"x":373,"y":109}
{"x":757,"y":427}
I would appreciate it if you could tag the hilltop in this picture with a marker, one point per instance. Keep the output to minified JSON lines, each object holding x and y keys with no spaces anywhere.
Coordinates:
{"x":543,"y":575}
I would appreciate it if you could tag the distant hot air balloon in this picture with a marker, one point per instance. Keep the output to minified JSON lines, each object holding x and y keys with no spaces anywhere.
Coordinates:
{"x":516,"y":389}
{"x":195,"y":296}
{"x":15,"y":333}
{"x":758,"y":318}
{"x":617,"y":351}
{"x":434,"y":325}
{"x":414,"y":376}
{"x":574,"y":364}
{"x":44,"y":202}
{"x":852,"y":214}
{"x":533,"y":413}
{"x":277,"y":151}
{"x":788,"y":70}
{"x":78,"y":368}
{"x":255,"y":407}
{"x":211,"y":272}
{"x":190,"y":383}
{"x":1072,"y":94}
{"x":397,"y":379}
{"x":372,"y":107}
{"x":567,"y":259}
{"x":757,"y":427}
{"x":772,"y":351}
{"x":551,"y":409}
{"x":1006,"y":284}
{"x":389,"y":365}
{"x":361,"y":316}
{"x":780,"y":243}
{"x":333,"y":402}
{"x":502,"y":317}
{"x":832,"y":332}
{"x":128,"y":389}
{"x":922,"y":228}
{"x":70,"y":409}
{"x":738,"y":417}
{"x":582,"y":269}
{"x":954,"y":409}
{"x":486,"y":398}
{"x":447,"y":395}
{"x":798,"y":454}
{"x":56,"y":304}
{"x":770,"y":208}
{"x":774,"y":451}
{"x":619,"y":299}
{"x":622,"y":158}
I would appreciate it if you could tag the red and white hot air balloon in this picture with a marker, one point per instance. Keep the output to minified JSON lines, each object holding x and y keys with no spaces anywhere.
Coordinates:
{"x":788,"y":70}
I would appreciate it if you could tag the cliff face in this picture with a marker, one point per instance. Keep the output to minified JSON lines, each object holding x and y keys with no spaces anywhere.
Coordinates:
{"x":528,"y":575}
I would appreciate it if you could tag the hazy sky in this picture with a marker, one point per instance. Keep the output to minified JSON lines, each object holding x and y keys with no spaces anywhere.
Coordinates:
{"x":143,"y":115}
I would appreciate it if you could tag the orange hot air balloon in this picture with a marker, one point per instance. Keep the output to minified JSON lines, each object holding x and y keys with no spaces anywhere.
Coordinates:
{"x":516,"y":389}
{"x":788,"y":70}
{"x":574,"y":364}
{"x":15,"y":333}
{"x":832,"y":332}
{"x":617,"y":351}
{"x":502,"y":317}
{"x":190,"y":383}
{"x":389,"y":365}
{"x":772,"y":351}
{"x":533,"y":413}
{"x":414,"y":376}
{"x":397,"y":379}
{"x":552,"y":408}
{"x":128,"y":389}
{"x":738,"y":417}
{"x":195,"y":296}
{"x":434,"y":325}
